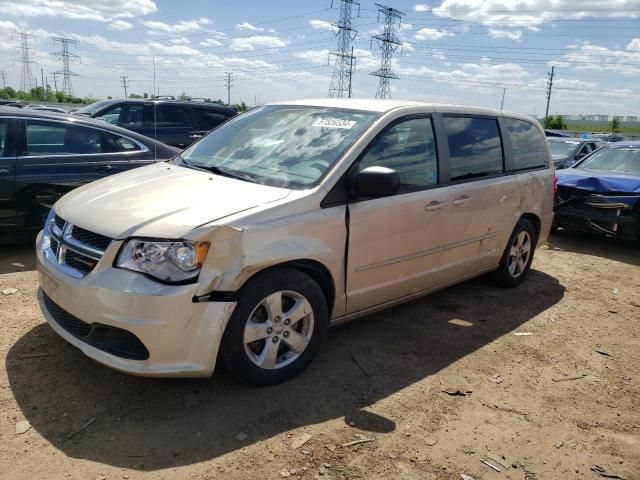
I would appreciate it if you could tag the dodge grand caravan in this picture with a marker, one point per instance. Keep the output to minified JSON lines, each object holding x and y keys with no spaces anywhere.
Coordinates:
{"x":290,"y":218}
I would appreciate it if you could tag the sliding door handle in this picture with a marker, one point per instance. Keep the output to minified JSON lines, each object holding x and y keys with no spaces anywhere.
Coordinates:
{"x":461,"y":200}
{"x":433,"y":206}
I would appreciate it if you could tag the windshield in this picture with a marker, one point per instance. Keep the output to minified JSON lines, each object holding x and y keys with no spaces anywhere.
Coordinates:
{"x":91,"y":108}
{"x":563,"y":148}
{"x":282,"y":146}
{"x":625,"y":160}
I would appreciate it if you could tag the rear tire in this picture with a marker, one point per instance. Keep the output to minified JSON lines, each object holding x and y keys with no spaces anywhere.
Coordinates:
{"x":279,"y":324}
{"x":518,"y":255}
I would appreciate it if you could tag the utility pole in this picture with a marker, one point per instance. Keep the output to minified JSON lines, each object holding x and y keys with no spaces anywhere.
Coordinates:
{"x":228,"y":85}
{"x":124,"y":85}
{"x":26,"y":76}
{"x":4,"y":84}
{"x":504,"y":91}
{"x":55,"y":81}
{"x":549,"y":87}
{"x":340,"y":85}
{"x":44,"y":87}
{"x":388,"y":42}
{"x":66,"y":57}
{"x":153,"y":93}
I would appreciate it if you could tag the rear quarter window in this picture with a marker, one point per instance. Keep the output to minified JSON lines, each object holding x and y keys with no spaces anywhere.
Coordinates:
{"x":475,"y":147}
{"x":528,"y":146}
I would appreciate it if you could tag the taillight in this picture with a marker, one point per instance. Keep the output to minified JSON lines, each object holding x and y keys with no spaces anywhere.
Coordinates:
{"x":555,"y":184}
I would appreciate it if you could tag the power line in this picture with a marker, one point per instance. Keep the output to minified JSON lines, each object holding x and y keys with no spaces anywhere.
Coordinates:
{"x":26,"y":76}
{"x":340,"y":85}
{"x":388,"y":42}
{"x":67,"y":57}
{"x":549,"y":87}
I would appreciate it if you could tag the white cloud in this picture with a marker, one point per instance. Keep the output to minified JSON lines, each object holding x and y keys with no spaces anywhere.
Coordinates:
{"x":180,"y":41}
{"x":248,"y":26}
{"x":532,"y":13}
{"x":250,"y":43}
{"x":406,"y":26}
{"x":96,"y":10}
{"x":211,"y":42}
{"x":596,"y":58}
{"x":511,"y":34}
{"x":120,"y":25}
{"x":180,"y":27}
{"x":634,"y":45}
{"x":321,"y":24}
{"x":431,"y":34}
{"x":421,"y":7}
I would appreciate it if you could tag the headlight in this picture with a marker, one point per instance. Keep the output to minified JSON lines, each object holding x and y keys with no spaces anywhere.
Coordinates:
{"x":176,"y":261}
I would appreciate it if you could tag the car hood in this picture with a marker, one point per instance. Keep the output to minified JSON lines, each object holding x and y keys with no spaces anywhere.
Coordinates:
{"x":160,"y":200}
{"x":599,"y":181}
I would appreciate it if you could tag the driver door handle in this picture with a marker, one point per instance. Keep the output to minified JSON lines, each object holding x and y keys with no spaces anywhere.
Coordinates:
{"x":462,"y":200}
{"x":433,"y":206}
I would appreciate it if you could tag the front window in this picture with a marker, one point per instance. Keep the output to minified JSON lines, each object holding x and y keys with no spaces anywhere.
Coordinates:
{"x":565,"y":149}
{"x":626,"y":160}
{"x":283,"y":146}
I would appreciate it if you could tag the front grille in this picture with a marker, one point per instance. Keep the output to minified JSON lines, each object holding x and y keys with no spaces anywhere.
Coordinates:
{"x":59,"y":221}
{"x":54,"y":245}
{"x":113,"y":340}
{"x":93,"y":240}
{"x":79,"y":262}
{"x":79,"y":249}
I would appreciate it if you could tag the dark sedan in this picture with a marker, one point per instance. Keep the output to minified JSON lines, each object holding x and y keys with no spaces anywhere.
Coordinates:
{"x":602,"y":193}
{"x":173,"y":122}
{"x":44,"y":155}
{"x":567,"y":151}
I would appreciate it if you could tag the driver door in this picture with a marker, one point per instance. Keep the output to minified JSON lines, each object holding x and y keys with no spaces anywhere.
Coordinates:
{"x":395,"y":242}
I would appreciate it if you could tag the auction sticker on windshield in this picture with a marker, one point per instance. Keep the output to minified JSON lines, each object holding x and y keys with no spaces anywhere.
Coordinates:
{"x":334,"y":123}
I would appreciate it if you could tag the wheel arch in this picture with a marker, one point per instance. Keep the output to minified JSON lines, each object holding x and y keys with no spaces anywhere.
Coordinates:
{"x":535,"y":220}
{"x":316,"y":270}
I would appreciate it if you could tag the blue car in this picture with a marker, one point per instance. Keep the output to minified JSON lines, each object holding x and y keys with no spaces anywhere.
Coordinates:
{"x":601,"y":193}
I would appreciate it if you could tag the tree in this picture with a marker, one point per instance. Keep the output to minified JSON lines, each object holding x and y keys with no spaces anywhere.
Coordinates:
{"x":134,"y":95}
{"x":555,"y":122}
{"x":145,"y":95}
{"x":615,"y":125}
{"x":240,"y":107}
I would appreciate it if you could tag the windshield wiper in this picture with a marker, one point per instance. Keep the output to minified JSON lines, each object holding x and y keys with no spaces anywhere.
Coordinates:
{"x":218,"y":171}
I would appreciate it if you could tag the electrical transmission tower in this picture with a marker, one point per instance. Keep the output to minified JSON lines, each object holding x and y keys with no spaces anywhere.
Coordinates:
{"x":340,"y":85}
{"x":66,"y":57}
{"x":388,"y":42}
{"x":26,"y":77}
{"x":228,"y":85}
{"x":549,"y":87}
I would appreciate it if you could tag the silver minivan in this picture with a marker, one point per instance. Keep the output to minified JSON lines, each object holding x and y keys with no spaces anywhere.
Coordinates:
{"x":284,"y":221}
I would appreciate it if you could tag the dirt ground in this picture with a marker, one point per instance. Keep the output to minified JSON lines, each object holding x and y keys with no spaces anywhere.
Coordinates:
{"x":546,"y":375}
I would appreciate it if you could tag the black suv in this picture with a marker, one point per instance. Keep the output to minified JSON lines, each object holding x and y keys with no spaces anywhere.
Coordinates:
{"x":172,"y":122}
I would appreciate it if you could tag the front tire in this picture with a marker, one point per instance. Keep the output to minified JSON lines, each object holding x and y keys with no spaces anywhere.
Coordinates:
{"x":517,"y":257}
{"x":279,"y":324}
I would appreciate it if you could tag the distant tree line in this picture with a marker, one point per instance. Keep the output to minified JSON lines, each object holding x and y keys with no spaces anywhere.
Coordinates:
{"x":39,"y":94}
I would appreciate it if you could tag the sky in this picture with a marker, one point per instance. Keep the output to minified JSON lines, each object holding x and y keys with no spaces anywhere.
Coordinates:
{"x":454,"y":51}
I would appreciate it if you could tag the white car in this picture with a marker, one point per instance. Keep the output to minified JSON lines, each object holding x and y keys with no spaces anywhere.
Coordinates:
{"x":285,"y":220}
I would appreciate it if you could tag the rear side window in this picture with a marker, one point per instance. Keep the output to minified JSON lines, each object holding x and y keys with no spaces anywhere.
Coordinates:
{"x":171,"y":116}
{"x":123,"y":144}
{"x":211,"y":118}
{"x":53,"y":138}
{"x":4,"y":137}
{"x":528,"y":145}
{"x":475,"y":147}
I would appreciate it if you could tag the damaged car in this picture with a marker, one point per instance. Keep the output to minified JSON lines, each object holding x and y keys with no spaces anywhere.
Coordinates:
{"x":602,"y":193}
{"x":568,"y":151}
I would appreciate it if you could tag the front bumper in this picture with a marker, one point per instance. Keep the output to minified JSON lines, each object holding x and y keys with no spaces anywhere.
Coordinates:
{"x":181,"y":336}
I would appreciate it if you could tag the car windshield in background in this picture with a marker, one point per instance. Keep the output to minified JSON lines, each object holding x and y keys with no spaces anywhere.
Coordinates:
{"x":282,"y":146}
{"x":563,"y":148}
{"x":619,"y":159}
{"x":91,"y":108}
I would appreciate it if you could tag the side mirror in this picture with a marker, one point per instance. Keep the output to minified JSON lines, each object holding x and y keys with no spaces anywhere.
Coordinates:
{"x":376,"y":182}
